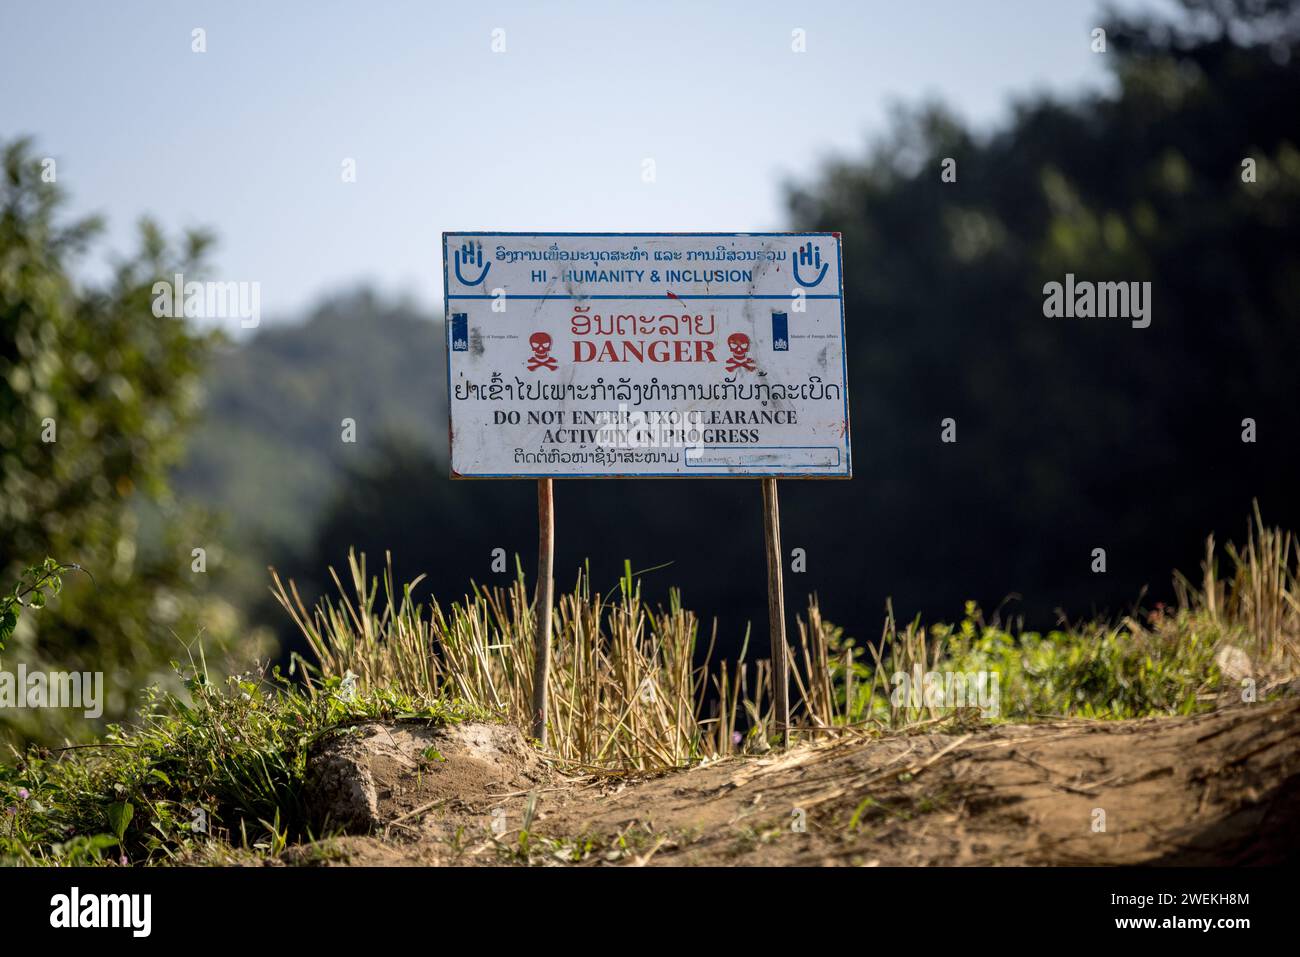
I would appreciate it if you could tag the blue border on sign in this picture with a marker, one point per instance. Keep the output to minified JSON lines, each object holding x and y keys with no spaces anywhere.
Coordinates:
{"x":844,"y":358}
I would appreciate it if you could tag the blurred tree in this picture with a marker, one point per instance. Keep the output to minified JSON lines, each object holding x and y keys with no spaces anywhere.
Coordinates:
{"x":1076,"y":433}
{"x":95,"y":395}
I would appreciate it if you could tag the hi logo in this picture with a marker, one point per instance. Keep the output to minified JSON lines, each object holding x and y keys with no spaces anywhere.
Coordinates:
{"x":810,"y":257}
{"x":470,"y":255}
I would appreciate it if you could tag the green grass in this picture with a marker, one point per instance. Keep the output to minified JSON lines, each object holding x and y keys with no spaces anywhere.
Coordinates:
{"x":1090,"y":670}
{"x":1165,"y":661}
{"x":227,"y":765}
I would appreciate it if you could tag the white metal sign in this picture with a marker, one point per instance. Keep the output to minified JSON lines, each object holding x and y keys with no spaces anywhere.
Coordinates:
{"x":646,"y":354}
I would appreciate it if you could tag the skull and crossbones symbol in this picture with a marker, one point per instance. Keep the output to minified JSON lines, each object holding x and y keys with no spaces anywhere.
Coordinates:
{"x":738,"y":343}
{"x":541,"y":358}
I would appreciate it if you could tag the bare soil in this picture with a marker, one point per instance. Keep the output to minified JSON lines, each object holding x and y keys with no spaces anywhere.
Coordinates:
{"x":1222,"y":788}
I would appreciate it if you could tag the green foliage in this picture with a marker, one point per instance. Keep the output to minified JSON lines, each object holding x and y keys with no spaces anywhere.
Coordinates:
{"x":1162,"y":662}
{"x":95,"y":395}
{"x":1090,"y":670}
{"x":224,"y":762}
{"x":34,"y":587}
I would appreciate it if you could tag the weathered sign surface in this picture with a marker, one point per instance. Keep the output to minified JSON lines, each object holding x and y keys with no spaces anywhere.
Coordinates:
{"x":646,"y":354}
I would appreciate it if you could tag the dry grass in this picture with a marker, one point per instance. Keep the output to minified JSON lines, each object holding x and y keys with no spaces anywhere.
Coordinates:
{"x":631,"y":688}
{"x":1256,"y":607}
{"x":626,"y":691}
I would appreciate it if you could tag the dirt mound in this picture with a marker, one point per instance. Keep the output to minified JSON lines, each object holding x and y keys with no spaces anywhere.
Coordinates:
{"x":369,"y":776}
{"x":1218,"y":788}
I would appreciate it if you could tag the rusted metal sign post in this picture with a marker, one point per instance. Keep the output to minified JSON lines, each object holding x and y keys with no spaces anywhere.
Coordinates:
{"x":667,"y":355}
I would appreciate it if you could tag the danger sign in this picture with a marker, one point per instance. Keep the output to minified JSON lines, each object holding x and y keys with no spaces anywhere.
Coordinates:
{"x":646,"y":354}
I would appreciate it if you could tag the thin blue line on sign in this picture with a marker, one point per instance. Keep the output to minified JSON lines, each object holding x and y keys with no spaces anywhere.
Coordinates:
{"x":661,"y":295}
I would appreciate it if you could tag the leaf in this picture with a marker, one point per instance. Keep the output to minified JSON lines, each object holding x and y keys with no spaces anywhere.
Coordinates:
{"x":8,"y":621}
{"x":119,"y":817}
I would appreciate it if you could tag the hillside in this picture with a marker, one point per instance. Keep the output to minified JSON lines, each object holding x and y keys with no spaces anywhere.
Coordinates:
{"x":268,"y":450}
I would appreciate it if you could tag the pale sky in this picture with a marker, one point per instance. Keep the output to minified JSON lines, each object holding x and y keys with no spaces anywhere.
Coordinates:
{"x":250,"y":137}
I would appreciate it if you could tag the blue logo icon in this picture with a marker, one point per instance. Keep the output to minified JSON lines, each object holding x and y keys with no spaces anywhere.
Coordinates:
{"x":470,"y":255}
{"x":780,"y":332}
{"x":459,"y":332}
{"x":810,"y":256}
